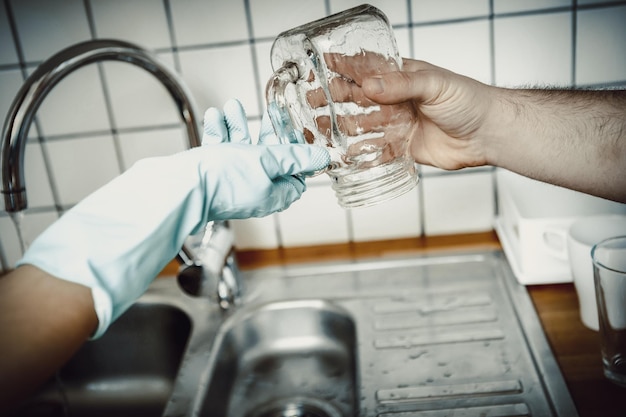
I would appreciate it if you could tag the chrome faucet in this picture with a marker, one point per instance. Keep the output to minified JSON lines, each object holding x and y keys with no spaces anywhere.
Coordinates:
{"x":35,"y":89}
{"x":46,"y":76}
{"x":211,"y":270}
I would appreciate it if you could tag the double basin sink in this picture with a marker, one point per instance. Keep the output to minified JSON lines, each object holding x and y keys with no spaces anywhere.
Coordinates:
{"x":401,"y":337}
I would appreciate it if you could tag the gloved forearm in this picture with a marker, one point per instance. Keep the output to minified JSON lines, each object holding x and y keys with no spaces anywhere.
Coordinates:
{"x":119,"y":238}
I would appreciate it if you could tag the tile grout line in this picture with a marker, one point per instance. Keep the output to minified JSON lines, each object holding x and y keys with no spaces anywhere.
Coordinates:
{"x":419,"y":195}
{"x":105,"y":91}
{"x":255,"y":70}
{"x":251,"y":42}
{"x":492,"y":75}
{"x":172,"y":35}
{"x":574,"y":36}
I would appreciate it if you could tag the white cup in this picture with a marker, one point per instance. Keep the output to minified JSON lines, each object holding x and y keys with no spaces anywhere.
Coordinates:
{"x":582,"y":235}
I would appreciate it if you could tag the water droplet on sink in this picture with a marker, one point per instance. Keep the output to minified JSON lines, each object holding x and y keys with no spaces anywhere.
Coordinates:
{"x":416,"y":355}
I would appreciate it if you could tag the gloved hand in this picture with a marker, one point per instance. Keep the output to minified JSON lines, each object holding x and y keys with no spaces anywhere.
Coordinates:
{"x":119,"y":238}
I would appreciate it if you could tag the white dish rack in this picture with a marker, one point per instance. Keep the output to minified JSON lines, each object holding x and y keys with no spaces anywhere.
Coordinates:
{"x":532,"y":223}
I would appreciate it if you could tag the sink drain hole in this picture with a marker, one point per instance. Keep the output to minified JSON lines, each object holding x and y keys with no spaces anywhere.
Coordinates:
{"x":297,"y":408}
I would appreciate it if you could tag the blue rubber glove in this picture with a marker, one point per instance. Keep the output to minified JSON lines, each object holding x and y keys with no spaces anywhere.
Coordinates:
{"x":119,"y":238}
{"x":232,"y":126}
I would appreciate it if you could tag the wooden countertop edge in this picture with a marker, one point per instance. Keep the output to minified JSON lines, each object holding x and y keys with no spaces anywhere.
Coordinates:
{"x":258,"y":258}
{"x":249,"y":259}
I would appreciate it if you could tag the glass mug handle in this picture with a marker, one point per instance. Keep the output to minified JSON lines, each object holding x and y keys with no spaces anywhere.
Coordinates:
{"x":278,"y":109}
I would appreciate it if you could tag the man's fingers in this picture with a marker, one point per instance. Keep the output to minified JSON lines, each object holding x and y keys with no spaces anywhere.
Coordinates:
{"x":356,"y":67}
{"x":418,"y":80}
{"x":388,"y":116}
{"x":341,"y":91}
{"x":316,"y":98}
{"x":378,"y":120}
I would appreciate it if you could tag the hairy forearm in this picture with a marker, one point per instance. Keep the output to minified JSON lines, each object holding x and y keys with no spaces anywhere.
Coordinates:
{"x":576,"y":139}
{"x":43,"y":322}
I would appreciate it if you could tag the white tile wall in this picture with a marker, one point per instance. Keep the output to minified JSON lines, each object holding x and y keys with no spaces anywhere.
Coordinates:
{"x":143,"y":22}
{"x":36,"y":177}
{"x":436,"y":10}
{"x":458,"y":203}
{"x":315,"y":219}
{"x":45,"y":27}
{"x":264,"y":67}
{"x":600,"y":46}
{"x":98,"y":122}
{"x":32,"y":225}
{"x":403,"y":40}
{"x":394,"y":219}
{"x":462,"y":47}
{"x":270,"y":17}
{"x":217,"y":74}
{"x":8,"y":55}
{"x":10,"y":81}
{"x":144,"y":144}
{"x":80,"y":166}
{"x":137,"y":97}
{"x":201,"y":22}
{"x":77,"y":104}
{"x":587,"y":2}
{"x":512,"y":6}
{"x":256,"y":233}
{"x":538,"y":57}
{"x":396,"y":10}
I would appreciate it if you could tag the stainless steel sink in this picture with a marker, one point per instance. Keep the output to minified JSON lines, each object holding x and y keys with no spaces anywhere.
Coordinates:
{"x":430,"y":335}
{"x":132,"y":368}
{"x":292,"y":358}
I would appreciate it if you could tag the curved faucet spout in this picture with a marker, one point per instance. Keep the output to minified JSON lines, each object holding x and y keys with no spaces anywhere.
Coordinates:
{"x":47,"y":75}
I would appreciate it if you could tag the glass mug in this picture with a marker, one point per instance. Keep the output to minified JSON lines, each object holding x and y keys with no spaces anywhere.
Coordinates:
{"x":314,"y":97}
{"x":609,"y":271}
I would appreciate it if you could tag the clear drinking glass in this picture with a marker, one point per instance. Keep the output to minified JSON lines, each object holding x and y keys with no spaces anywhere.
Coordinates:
{"x":609,"y":265}
{"x":315,"y":96}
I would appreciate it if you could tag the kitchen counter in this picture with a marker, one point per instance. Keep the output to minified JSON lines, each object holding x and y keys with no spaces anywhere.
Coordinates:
{"x":577,"y":350}
{"x":575,"y":347}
